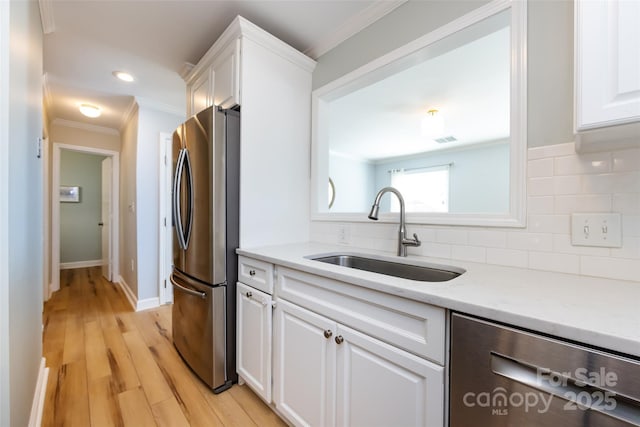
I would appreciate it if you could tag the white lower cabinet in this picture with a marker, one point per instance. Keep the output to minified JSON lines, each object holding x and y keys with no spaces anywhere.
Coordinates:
{"x":253,"y":328}
{"x":327,"y":374}
{"x":304,"y":366}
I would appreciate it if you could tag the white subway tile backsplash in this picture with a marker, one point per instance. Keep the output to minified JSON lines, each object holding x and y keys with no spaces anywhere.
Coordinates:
{"x":630,"y":249}
{"x":508,"y":257}
{"x":456,"y":237}
{"x":567,"y":184}
{"x":539,"y":168}
{"x":488,"y":238}
{"x":559,"y":224}
{"x":627,"y":203}
{"x":530,"y":241}
{"x":583,"y":164}
{"x":626,"y":160}
{"x":614,"y":268}
{"x":562,"y":244}
{"x":469,"y":253}
{"x":562,"y":263}
{"x":556,"y":150}
{"x":560,"y":183}
{"x":631,"y":225}
{"x":540,"y":186}
{"x":582,"y":203}
{"x":437,"y":250}
{"x":540,"y":204}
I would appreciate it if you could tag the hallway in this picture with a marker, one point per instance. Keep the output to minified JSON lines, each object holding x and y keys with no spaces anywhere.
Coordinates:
{"x":110,"y":366}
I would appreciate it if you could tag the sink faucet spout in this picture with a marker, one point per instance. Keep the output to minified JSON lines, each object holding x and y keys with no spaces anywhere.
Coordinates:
{"x":403,"y":241}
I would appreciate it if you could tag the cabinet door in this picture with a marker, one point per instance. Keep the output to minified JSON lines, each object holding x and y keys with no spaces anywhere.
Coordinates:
{"x":607,"y":63}
{"x":226,"y":71}
{"x":254,"y":315}
{"x":381,"y":385}
{"x":201,"y":93}
{"x":304,"y":368}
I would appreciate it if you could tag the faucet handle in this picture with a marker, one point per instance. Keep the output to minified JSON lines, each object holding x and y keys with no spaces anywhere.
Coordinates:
{"x":412,"y":242}
{"x":415,"y":237}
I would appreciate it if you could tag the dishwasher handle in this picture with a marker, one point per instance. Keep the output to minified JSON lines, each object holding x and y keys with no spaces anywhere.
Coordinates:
{"x":184,"y":289}
{"x":614,"y":405}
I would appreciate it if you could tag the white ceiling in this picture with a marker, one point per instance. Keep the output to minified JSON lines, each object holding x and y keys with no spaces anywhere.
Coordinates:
{"x":468,"y":84}
{"x":86,"y":40}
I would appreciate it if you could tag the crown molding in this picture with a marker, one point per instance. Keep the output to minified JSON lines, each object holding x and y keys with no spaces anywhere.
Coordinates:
{"x":353,"y":26}
{"x":185,"y":70}
{"x":85,"y":126}
{"x":46,"y":16}
{"x":128,"y":113}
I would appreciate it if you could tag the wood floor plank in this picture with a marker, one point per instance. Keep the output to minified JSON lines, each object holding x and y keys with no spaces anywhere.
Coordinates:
{"x":169,"y":414}
{"x":103,"y":403}
{"x":111,"y":366}
{"x":259,"y":412}
{"x":96,"y":351}
{"x":135,"y":409}
{"x":151,"y":378}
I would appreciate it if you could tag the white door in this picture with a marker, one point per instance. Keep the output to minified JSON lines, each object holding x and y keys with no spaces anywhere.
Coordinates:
{"x":165,"y":233}
{"x":304,"y":366}
{"x":107,"y":171}
{"x":381,"y":385}
{"x":254,"y":313}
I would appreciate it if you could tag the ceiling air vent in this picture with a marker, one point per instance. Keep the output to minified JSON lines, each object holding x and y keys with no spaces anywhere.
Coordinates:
{"x":445,"y":139}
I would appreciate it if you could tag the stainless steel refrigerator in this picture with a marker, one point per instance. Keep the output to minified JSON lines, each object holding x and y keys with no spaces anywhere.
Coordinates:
{"x":206,"y":151}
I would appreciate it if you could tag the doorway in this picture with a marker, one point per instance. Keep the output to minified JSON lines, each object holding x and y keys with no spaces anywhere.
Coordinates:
{"x":109,"y":210}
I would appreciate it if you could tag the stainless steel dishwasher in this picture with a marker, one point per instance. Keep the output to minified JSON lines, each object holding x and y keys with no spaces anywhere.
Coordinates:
{"x":504,"y":377}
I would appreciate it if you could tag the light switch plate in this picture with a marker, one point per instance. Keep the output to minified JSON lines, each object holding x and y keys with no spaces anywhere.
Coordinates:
{"x":596,"y":229}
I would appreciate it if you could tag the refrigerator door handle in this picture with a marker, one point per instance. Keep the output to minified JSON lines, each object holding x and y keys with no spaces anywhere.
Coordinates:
{"x":187,"y":232}
{"x":177,"y":185}
{"x":185,"y":289}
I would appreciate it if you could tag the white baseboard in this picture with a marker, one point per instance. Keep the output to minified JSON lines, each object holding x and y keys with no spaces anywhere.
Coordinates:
{"x":80,"y":264}
{"x":37,"y":407}
{"x":137,"y":305}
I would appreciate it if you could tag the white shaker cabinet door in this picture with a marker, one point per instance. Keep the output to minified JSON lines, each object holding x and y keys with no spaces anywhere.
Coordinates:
{"x":226,"y":70}
{"x":381,"y":385}
{"x":304,"y":368}
{"x":607,"y":63}
{"x":254,"y":317}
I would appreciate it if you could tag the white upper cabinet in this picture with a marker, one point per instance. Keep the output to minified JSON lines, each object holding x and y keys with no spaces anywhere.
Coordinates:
{"x":226,"y":76}
{"x":607,"y":69}
{"x":200,"y":93}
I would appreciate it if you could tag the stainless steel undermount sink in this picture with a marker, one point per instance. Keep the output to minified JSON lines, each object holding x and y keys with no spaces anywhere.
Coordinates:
{"x":423,"y":272}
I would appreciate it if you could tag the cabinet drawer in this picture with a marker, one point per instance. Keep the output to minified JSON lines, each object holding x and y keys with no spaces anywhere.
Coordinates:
{"x":258,"y":274}
{"x":416,"y":327}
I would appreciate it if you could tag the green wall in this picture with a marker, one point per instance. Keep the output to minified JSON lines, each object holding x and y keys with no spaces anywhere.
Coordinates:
{"x":80,"y":238}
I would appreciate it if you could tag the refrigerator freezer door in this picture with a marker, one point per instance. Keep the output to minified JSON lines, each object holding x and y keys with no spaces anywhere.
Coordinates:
{"x":199,"y":329}
{"x":200,"y":197}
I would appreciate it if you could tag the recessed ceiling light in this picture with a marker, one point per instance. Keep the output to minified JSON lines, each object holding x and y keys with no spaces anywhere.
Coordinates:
{"x":90,"y":110}
{"x":125,"y":77}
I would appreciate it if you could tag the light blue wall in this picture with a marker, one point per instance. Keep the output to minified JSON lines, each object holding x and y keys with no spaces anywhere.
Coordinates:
{"x":478,"y":177}
{"x":549,"y":64}
{"x":80,"y":235}
{"x":354,"y":182}
{"x":21,"y":280}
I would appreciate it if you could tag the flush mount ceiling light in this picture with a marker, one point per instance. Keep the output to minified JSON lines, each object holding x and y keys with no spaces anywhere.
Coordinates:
{"x":433,"y":124}
{"x":90,"y":110}
{"x":124,"y":76}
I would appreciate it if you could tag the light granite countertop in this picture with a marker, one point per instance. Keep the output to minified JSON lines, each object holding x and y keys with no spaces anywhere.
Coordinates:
{"x":595,"y":311}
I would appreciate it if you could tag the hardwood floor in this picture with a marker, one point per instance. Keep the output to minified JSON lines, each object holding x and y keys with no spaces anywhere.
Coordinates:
{"x":110,"y":366}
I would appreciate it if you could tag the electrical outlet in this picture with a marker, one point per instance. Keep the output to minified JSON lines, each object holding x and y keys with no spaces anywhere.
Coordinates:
{"x":596,"y":229}
{"x":344,"y":234}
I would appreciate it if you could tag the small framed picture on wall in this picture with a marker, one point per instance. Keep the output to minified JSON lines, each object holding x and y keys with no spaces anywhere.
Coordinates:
{"x":69,"y":194}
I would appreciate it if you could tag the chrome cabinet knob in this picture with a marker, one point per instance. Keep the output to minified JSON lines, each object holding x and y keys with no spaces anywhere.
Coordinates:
{"x":252,"y":272}
{"x":339,"y":339}
{"x":327,"y":334}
